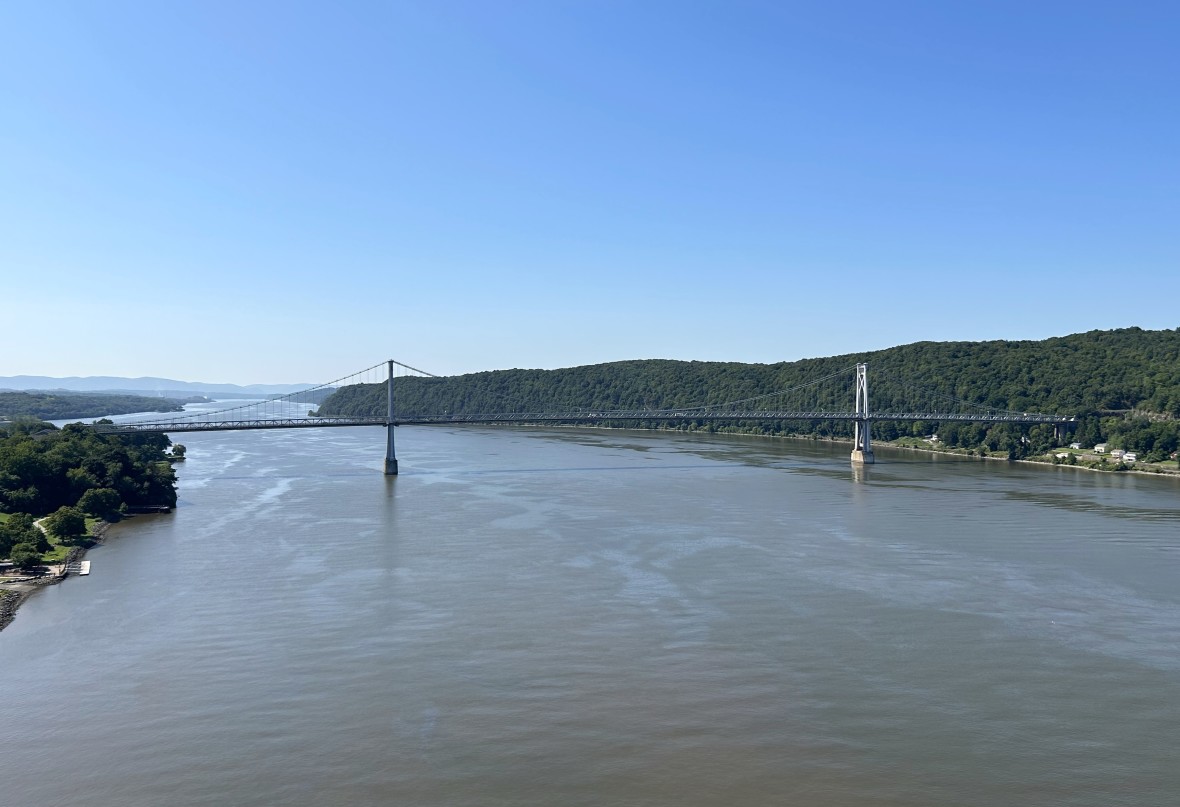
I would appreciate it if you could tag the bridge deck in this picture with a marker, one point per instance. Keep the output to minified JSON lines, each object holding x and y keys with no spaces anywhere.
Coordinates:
{"x":568,"y":418}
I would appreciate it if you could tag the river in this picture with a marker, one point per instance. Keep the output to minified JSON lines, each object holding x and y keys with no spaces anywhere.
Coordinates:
{"x":581,"y":617}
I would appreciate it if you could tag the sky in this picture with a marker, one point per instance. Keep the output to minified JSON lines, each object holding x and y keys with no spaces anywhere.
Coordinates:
{"x":281,"y":192}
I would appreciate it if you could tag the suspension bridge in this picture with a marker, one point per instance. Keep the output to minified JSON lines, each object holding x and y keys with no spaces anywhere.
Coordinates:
{"x":789,"y":404}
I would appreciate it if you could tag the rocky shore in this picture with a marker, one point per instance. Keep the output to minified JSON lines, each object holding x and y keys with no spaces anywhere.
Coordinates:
{"x":15,"y":590}
{"x":10,"y":600}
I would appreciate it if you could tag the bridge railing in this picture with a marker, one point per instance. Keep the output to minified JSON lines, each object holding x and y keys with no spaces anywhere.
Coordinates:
{"x":234,"y":425}
{"x":605,"y":416}
{"x":689,"y":415}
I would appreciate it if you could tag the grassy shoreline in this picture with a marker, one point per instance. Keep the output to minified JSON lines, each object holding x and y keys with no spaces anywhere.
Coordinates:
{"x":13,"y":594}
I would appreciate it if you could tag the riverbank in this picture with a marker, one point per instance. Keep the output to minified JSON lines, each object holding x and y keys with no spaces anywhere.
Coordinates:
{"x":16,"y":588}
{"x":1084,"y":461}
{"x":1087,"y":462}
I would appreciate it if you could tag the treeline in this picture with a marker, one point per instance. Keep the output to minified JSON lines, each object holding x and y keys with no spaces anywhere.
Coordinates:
{"x":1122,"y":385}
{"x":312,"y":396}
{"x":51,"y":406}
{"x":70,"y":471}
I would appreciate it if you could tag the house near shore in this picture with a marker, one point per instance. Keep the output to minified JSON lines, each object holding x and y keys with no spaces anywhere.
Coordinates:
{"x":1075,"y":445}
{"x":1130,"y":456}
{"x":1100,"y":448}
{"x":1117,"y":453}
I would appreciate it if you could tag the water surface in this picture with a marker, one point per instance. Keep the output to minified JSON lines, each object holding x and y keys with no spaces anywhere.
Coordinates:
{"x":578,"y":617}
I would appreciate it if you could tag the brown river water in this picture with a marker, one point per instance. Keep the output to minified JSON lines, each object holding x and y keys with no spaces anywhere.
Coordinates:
{"x":580,"y":617}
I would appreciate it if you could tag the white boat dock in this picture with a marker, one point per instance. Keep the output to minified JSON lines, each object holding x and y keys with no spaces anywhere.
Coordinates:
{"x":80,"y":567}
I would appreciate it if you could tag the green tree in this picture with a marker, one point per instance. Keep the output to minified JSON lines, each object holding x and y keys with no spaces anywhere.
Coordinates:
{"x":67,"y":523}
{"x":25,"y":556}
{"x":101,"y":502}
{"x":18,"y":529}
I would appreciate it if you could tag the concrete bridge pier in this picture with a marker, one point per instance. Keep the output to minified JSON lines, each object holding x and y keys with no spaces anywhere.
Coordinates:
{"x":862,"y":444}
{"x":390,"y":457}
{"x":862,"y":449}
{"x":390,"y":454}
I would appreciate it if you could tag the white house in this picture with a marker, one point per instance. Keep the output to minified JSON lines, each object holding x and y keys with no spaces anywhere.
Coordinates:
{"x":1117,"y":453}
{"x":1130,"y":456}
{"x":1075,"y":445}
{"x":1100,"y":448}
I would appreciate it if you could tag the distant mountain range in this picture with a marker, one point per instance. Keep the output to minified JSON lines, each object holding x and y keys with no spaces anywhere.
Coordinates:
{"x":159,"y":387}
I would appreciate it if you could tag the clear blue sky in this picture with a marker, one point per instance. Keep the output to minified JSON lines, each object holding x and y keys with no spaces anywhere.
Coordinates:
{"x":285,"y":191}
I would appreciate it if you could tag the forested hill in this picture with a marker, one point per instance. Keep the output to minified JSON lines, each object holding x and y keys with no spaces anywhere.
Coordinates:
{"x":1082,"y":374}
{"x":53,"y":406}
{"x":1099,"y":374}
{"x":1088,"y":373}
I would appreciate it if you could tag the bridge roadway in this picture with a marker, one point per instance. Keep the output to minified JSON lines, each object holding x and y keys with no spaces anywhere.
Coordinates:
{"x":591,"y":418}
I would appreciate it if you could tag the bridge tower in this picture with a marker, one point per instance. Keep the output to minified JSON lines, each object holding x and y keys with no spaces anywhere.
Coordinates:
{"x":390,"y":456}
{"x":862,"y":447}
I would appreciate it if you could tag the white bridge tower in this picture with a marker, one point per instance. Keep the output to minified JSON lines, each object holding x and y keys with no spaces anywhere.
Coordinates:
{"x":390,"y":455}
{"x":862,"y":447}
